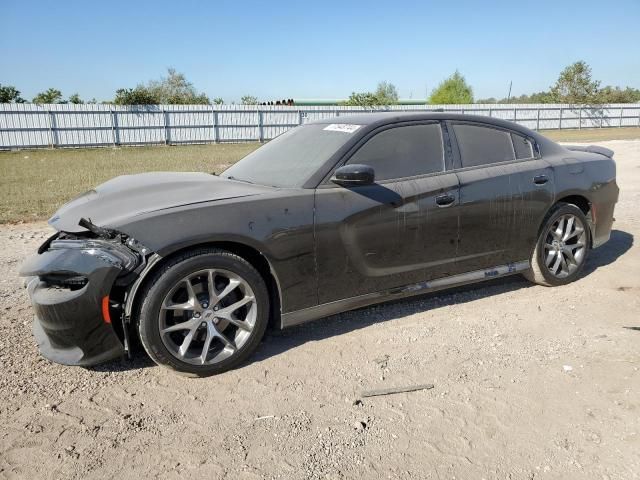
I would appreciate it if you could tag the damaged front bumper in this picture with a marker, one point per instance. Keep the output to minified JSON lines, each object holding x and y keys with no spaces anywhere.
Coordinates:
{"x":69,"y":284}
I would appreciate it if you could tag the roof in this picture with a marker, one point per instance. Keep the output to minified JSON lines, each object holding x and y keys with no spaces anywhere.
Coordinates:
{"x":375,"y":119}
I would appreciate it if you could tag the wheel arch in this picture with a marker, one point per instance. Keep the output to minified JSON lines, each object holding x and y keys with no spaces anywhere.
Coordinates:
{"x":580,"y":201}
{"x":249,"y":253}
{"x":586,"y":206}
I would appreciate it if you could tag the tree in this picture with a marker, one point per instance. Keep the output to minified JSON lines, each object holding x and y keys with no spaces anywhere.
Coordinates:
{"x":135,"y":96}
{"x":540,"y":97}
{"x":10,"y":94}
{"x":575,"y":85}
{"x":75,"y":99}
{"x":385,"y":94}
{"x":610,"y":94}
{"x":453,"y":90}
{"x":249,"y":100}
{"x":52,"y":95}
{"x":174,"y":89}
{"x":488,"y":100}
{"x":363,"y":99}
{"x":218,"y":101}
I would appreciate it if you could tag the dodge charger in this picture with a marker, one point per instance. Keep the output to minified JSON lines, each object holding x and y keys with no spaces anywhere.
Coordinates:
{"x":330,"y":216}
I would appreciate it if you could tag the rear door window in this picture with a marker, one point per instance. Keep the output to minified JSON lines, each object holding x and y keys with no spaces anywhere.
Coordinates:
{"x":405,"y":151}
{"x":483,"y":145}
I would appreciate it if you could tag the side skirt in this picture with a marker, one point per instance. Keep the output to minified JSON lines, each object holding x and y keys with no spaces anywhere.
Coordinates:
{"x":326,"y":309}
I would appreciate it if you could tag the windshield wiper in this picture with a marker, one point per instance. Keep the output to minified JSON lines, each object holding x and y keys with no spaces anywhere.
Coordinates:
{"x":231,"y":177}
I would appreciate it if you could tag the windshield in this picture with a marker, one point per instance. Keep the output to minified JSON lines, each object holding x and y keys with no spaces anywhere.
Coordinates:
{"x":289,"y":160}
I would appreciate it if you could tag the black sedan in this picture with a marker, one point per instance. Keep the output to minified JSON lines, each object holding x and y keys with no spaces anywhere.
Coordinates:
{"x":330,"y":216}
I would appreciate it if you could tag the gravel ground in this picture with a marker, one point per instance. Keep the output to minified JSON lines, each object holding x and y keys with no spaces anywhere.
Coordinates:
{"x":530,"y":382}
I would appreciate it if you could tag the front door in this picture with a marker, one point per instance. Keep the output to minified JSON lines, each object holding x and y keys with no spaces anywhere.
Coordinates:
{"x":399,"y":231}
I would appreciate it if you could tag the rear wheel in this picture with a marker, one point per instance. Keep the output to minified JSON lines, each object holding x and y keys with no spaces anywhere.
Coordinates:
{"x":562,"y":248}
{"x":204,"y":312}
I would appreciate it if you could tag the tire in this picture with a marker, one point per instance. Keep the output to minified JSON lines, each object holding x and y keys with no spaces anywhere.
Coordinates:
{"x":176,"y":322}
{"x":542,"y":270}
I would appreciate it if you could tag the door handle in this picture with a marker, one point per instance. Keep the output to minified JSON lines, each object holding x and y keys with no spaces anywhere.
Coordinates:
{"x":540,"y":179}
{"x":445,"y":200}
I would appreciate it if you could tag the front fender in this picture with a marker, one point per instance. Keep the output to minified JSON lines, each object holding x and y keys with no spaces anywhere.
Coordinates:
{"x":279,"y":228}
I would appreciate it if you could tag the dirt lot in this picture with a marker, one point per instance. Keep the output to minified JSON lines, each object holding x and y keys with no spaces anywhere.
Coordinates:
{"x":530,"y":383}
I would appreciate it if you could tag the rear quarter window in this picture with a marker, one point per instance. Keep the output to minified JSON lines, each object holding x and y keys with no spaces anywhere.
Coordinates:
{"x":522,"y":146}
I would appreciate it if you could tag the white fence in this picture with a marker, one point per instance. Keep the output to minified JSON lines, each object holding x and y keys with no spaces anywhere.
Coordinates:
{"x":49,"y":126}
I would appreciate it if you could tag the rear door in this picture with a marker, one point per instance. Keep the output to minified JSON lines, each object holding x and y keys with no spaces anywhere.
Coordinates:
{"x":506,"y":189}
{"x":399,"y":231}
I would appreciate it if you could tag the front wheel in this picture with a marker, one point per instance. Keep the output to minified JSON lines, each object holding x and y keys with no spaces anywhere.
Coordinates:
{"x":562,"y":248}
{"x":203,"y":312}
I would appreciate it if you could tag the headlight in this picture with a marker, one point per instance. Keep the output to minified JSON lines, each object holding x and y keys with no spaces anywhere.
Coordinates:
{"x":70,"y":281}
{"x":112,"y":253}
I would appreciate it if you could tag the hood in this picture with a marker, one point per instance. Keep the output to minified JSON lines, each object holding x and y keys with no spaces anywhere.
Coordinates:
{"x":122,"y":198}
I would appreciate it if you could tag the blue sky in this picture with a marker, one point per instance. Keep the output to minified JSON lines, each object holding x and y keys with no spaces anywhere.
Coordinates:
{"x":319,"y":49}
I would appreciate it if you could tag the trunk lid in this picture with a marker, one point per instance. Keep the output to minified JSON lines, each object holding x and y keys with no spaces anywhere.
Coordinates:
{"x":591,"y":149}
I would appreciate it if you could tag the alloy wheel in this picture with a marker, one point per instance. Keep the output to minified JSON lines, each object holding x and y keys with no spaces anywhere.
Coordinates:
{"x":565,"y":245}
{"x":207,"y":316}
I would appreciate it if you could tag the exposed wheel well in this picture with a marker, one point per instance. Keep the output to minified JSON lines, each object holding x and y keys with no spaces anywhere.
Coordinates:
{"x":579,"y":201}
{"x":251,"y":255}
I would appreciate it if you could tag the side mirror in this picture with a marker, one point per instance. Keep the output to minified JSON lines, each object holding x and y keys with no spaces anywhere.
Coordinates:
{"x":354,"y":175}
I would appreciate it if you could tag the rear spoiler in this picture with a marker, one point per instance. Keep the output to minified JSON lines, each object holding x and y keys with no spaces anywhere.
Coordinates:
{"x":591,"y":149}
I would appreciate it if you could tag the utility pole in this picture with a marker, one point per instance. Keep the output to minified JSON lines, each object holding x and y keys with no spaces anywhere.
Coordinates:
{"x":509,"y":95}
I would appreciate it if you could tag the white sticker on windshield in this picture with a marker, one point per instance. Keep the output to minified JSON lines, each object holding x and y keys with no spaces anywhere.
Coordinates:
{"x":342,"y":127}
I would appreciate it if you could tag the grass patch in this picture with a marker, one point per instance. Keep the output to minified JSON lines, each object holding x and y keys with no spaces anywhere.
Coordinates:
{"x":34,"y":183}
{"x":593,"y":134}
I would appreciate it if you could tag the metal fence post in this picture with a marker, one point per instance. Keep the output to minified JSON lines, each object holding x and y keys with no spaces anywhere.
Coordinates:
{"x":50,"y":142}
{"x":260,"y":127}
{"x":560,"y":124}
{"x":52,"y":130}
{"x":515,"y":115}
{"x":620,"y":123}
{"x":114,"y":127}
{"x":299,"y":117}
{"x":538,"y":120}
{"x":166,"y":128}
{"x":580,"y":118}
{"x":216,"y":132}
{"x":490,"y":112}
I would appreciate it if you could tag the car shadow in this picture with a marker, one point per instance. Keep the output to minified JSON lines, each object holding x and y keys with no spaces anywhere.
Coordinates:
{"x":619,"y":243}
{"x":277,"y":342}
